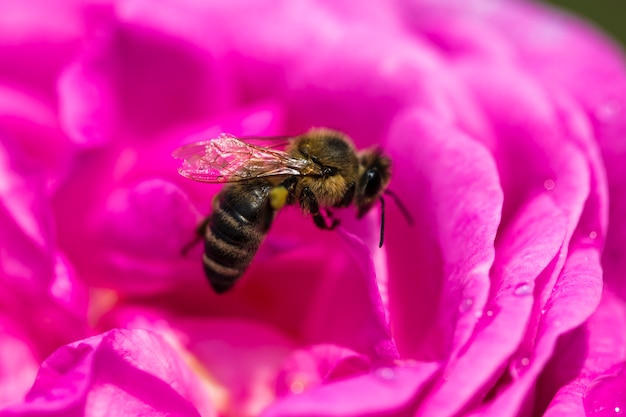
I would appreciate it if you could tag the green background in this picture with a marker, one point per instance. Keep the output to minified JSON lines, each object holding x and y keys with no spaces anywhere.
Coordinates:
{"x":609,"y":15}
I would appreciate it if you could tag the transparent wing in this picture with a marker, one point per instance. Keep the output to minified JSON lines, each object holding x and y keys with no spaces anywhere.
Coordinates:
{"x":228,"y":159}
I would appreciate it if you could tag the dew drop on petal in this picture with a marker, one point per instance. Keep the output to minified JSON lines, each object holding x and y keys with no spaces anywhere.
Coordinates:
{"x":466,"y":305}
{"x":297,"y":387}
{"x":549,"y":184}
{"x":608,"y":110}
{"x":593,"y":234}
{"x":385,"y":373}
{"x":519,"y":366}
{"x":298,"y":382}
{"x":523,"y":289}
{"x":606,"y":396}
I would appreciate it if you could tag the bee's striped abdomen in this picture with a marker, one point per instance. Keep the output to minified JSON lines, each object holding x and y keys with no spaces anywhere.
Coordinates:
{"x":240,"y":220}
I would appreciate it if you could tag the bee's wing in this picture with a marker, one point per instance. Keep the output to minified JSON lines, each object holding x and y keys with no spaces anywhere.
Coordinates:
{"x":228,"y":159}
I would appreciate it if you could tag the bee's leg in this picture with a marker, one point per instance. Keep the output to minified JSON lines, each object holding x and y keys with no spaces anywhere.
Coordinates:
{"x":290,"y":185}
{"x":200,"y":234}
{"x":348,"y":196}
{"x":309,"y":203}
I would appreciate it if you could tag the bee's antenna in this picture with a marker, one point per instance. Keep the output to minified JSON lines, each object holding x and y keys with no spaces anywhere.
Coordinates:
{"x":382,"y":221}
{"x":401,"y":206}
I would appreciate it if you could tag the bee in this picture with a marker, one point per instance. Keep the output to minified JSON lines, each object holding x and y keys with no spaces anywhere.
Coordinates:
{"x":318,"y":170}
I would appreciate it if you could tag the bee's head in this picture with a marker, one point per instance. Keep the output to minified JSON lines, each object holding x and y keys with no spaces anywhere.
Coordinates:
{"x":374,"y":176}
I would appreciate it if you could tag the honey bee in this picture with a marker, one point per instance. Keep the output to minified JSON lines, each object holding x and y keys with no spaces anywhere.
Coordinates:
{"x":318,"y":170}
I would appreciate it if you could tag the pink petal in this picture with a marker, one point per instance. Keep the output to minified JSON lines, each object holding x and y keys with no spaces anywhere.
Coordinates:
{"x":308,"y":368}
{"x":575,"y":296}
{"x":357,"y":84}
{"x":132,"y":213}
{"x":18,"y":362}
{"x":126,"y":372}
{"x":240,"y":359}
{"x":137,"y":83}
{"x":524,"y":250}
{"x":143,"y":232}
{"x":36,"y":40}
{"x":38,"y":285}
{"x":575,"y":126}
{"x":363,"y":325}
{"x":388,"y":390}
{"x":336,"y":301}
{"x":542,"y":44}
{"x":536,"y":152}
{"x":32,"y":122}
{"x":23,"y":196}
{"x":439,"y":276}
{"x":584,"y":362}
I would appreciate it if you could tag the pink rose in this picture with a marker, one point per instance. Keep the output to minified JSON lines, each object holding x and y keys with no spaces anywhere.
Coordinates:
{"x":504,"y":123}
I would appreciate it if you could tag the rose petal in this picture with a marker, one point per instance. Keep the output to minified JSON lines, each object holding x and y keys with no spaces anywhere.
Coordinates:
{"x":126,"y":372}
{"x":349,"y":87}
{"x":18,"y":362}
{"x":389,"y":390}
{"x":524,"y":252}
{"x":440,"y":275}
{"x":369,"y":330}
{"x":136,"y":213}
{"x":535,"y":153}
{"x":336,"y":301}
{"x":135,"y":82}
{"x":37,"y":284}
{"x":307,"y":368}
{"x":575,"y":296}
{"x":22,"y":194}
{"x":27,"y":118}
{"x":36,"y":40}
{"x":588,"y":353}
{"x":144,"y":232}
{"x":239,"y":360}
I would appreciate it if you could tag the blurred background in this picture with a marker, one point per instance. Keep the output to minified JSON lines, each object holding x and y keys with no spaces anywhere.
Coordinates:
{"x":610,"y":15}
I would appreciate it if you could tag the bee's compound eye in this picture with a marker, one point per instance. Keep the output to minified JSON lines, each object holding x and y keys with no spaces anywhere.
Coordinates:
{"x":373,"y":182}
{"x":329,"y":171}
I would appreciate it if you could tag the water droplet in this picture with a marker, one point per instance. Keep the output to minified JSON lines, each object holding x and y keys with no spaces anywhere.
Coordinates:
{"x":466,"y":305}
{"x":385,"y":373}
{"x":519,"y":366}
{"x":489,"y":313}
{"x":298,"y":382}
{"x":606,"y":395}
{"x":407,"y":362}
{"x":522,"y":289}
{"x":608,"y":110}
{"x":549,"y":184}
{"x":297,"y":387}
{"x":593,"y":234}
